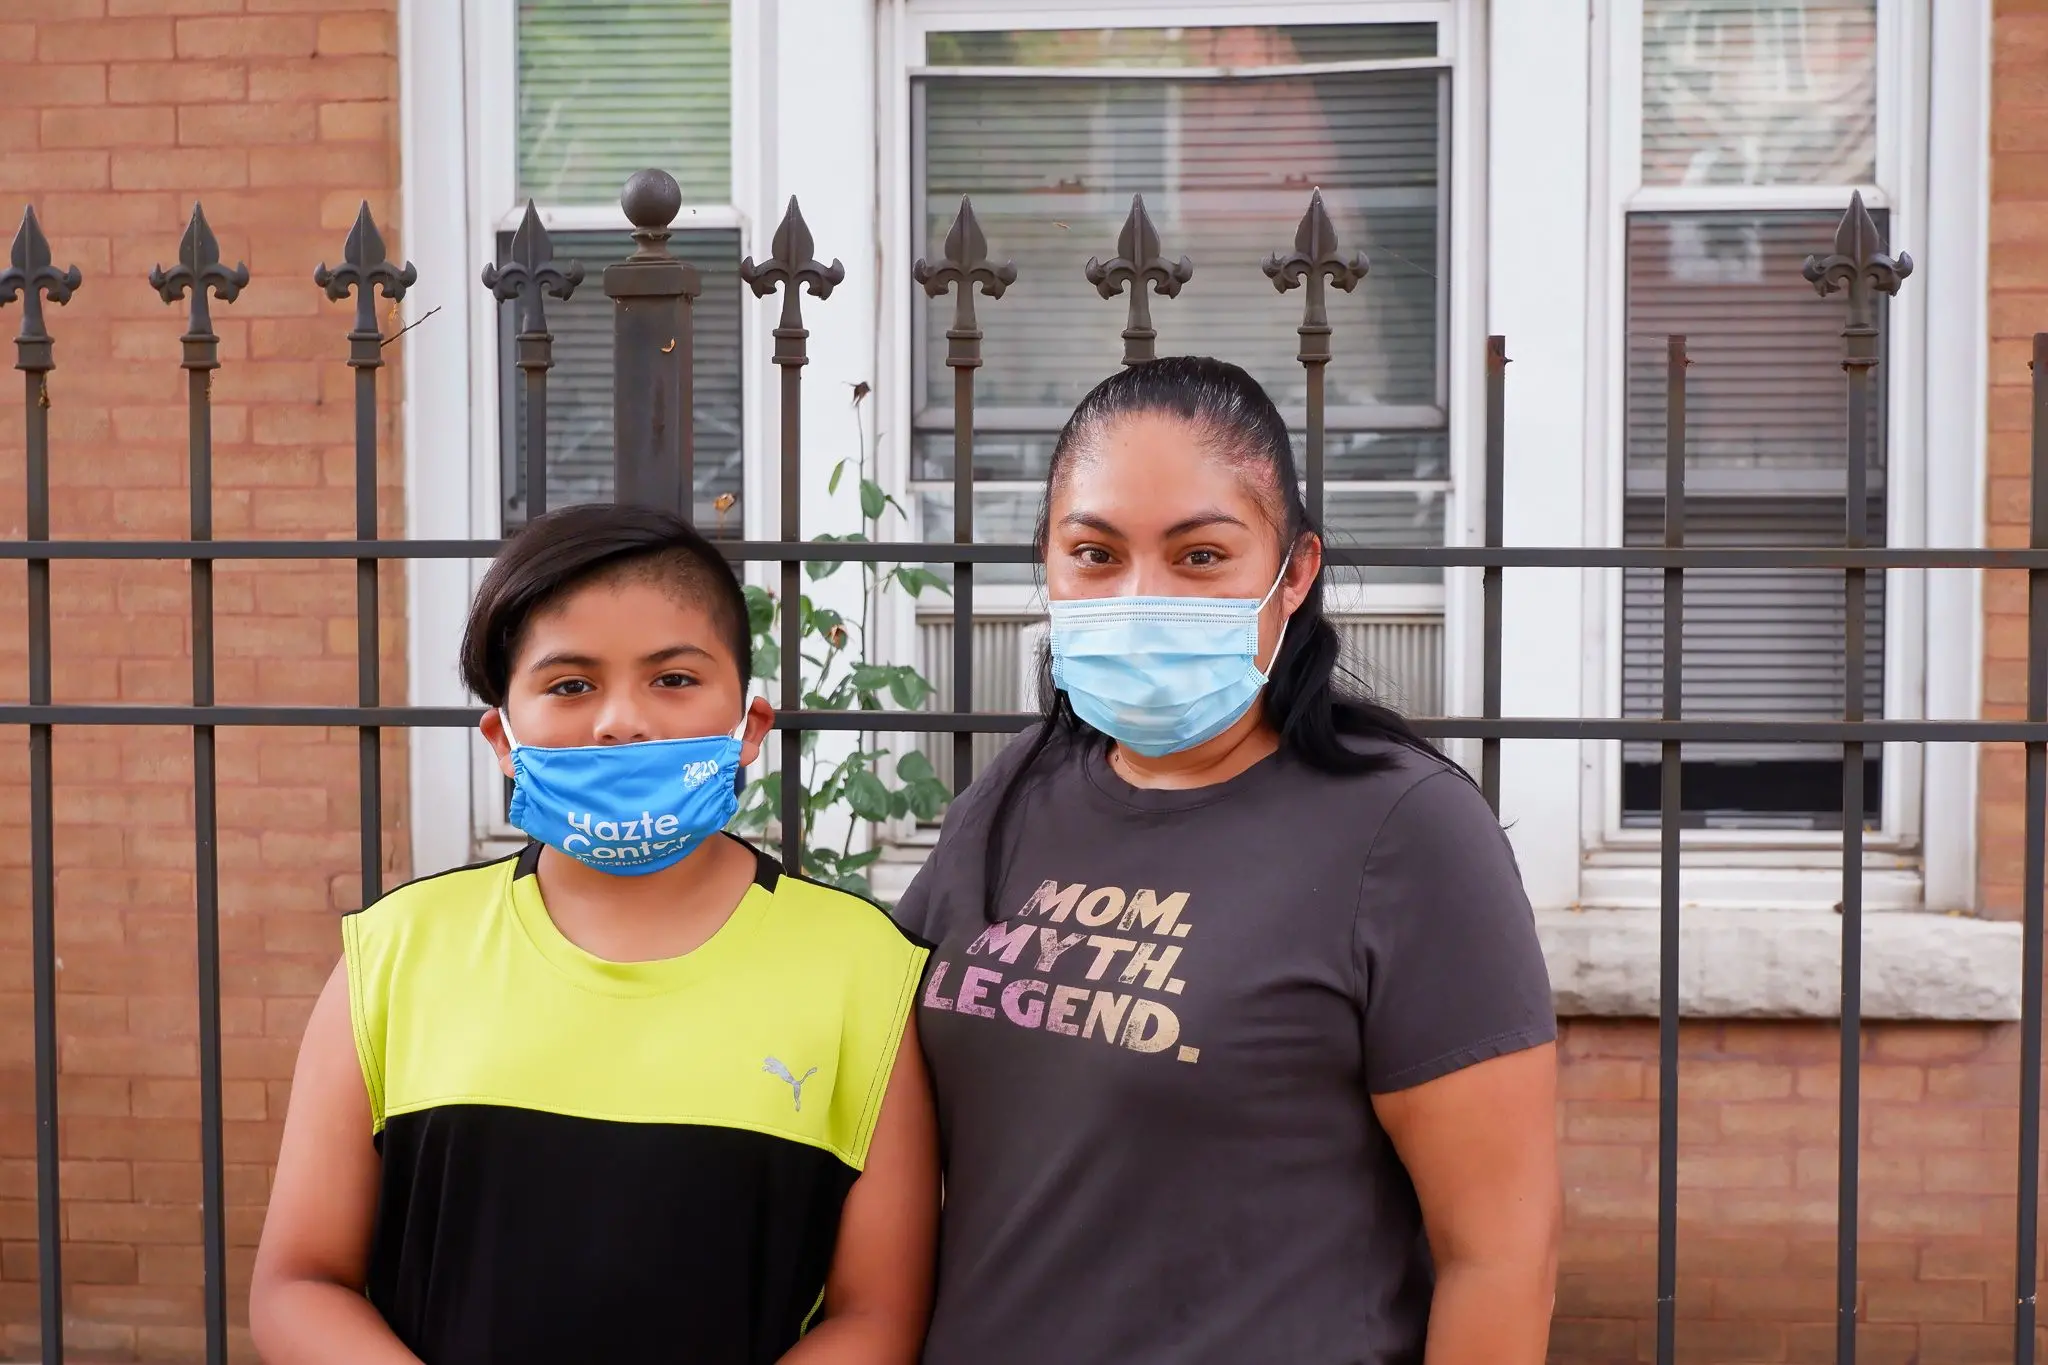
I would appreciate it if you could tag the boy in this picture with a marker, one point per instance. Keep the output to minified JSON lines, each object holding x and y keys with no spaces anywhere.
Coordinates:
{"x":635,"y":1093}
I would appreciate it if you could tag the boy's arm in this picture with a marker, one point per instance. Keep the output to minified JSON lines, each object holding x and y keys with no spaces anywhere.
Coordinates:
{"x":878,"y":1294}
{"x":306,"y":1304}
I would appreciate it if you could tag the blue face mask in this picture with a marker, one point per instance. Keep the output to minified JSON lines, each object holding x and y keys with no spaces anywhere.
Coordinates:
{"x":625,"y":808}
{"x":1160,"y":674}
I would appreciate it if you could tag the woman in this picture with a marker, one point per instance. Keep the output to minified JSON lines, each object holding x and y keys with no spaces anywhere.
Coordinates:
{"x":1240,"y":1033}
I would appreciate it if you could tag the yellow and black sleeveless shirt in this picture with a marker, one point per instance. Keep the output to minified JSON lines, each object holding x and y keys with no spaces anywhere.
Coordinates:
{"x":599,"y":1161}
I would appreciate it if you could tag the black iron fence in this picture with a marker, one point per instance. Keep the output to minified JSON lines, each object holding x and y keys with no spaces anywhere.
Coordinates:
{"x":654,"y":292}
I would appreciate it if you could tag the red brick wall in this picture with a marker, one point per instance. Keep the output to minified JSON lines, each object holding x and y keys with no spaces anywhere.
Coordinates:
{"x":114,"y":115}
{"x":2018,"y":309}
{"x":1758,"y":1131}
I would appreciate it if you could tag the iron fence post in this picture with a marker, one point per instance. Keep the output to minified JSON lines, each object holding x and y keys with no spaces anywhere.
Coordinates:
{"x":1491,"y":586}
{"x":1859,"y":265}
{"x":365,"y":269}
{"x":197,"y":273}
{"x":1670,"y":881}
{"x":1315,"y":259}
{"x":651,"y":400}
{"x":792,"y":267}
{"x":33,"y":276}
{"x":964,"y":266}
{"x":2026,"y":1259}
{"x":529,"y":277}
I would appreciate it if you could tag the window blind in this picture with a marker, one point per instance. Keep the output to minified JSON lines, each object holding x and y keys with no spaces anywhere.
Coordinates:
{"x":1236,"y":47}
{"x":1226,"y":166}
{"x":1759,"y":92}
{"x":1767,"y":419}
{"x":610,"y":87}
{"x":580,"y":384}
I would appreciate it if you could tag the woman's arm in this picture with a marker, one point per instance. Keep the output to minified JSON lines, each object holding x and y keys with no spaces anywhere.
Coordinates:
{"x":306,"y":1304}
{"x":1481,"y":1146}
{"x":878,"y":1295}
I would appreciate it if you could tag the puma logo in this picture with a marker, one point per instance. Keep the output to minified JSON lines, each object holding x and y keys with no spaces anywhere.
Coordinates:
{"x":795,"y":1083}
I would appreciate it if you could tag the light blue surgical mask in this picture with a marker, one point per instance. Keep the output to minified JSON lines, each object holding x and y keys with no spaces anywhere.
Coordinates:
{"x":625,"y":808}
{"x":1160,"y":674}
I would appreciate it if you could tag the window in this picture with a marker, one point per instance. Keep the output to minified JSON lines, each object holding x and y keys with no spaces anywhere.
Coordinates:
{"x":605,"y":89}
{"x":1758,"y":119}
{"x":1224,"y":131}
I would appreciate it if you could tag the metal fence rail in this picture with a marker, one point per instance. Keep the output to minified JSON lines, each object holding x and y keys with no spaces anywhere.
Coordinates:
{"x":654,"y":293}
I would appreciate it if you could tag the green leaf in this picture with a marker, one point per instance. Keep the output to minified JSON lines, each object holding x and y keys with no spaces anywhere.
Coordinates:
{"x":760,"y":609}
{"x":928,"y":798}
{"x":832,"y":484}
{"x":909,"y":688}
{"x":914,"y":580}
{"x":767,"y":659}
{"x":872,"y":499}
{"x":871,"y":677}
{"x":824,"y":620}
{"x":899,"y":804}
{"x":915,"y":767}
{"x":854,"y":862}
{"x":867,"y":796}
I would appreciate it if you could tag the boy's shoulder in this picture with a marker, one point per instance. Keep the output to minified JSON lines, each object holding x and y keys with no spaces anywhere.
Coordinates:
{"x":832,"y":913}
{"x":438,"y":891}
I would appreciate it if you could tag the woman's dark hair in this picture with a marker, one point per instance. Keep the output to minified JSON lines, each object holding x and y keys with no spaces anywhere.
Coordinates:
{"x":561,"y":551}
{"x":1313,"y":702}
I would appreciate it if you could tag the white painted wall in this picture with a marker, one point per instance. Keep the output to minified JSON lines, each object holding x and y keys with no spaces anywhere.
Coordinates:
{"x":1539,"y":94}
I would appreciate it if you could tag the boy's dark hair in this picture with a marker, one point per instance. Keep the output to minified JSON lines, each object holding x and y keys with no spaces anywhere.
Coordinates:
{"x":571,"y":548}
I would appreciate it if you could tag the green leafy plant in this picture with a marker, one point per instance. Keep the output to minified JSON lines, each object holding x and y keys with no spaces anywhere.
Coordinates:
{"x":839,"y":674}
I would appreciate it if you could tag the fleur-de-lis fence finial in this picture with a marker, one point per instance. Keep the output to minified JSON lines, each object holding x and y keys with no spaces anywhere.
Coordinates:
{"x":791,"y":266}
{"x":365,"y":269}
{"x":531,"y":274}
{"x":1859,"y":264}
{"x":1316,"y":259}
{"x":198,"y":273}
{"x":967,"y":265}
{"x":33,"y":276}
{"x":1137,"y":263}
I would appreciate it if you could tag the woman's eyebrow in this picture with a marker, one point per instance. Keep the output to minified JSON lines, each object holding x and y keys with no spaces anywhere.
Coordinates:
{"x":1201,"y":521}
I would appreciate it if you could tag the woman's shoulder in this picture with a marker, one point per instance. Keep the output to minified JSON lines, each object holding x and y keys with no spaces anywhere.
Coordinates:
{"x":1386,"y":776}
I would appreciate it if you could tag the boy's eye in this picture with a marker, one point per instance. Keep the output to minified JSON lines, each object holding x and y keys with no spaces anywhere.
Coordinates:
{"x":569,"y":687}
{"x":675,"y":680}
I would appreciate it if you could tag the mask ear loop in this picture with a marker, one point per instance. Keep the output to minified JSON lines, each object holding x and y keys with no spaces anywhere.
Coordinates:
{"x":505,"y":719}
{"x":1265,"y":674}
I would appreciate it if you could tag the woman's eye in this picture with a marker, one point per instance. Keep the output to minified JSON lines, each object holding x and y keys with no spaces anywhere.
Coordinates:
{"x":1203,"y":559}
{"x":1094,"y":554}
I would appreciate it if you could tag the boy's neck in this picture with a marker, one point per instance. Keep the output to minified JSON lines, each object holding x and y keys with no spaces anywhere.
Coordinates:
{"x":645,"y":919}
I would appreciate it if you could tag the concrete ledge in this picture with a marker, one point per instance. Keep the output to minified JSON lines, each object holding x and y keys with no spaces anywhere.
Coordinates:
{"x":1783,"y":964}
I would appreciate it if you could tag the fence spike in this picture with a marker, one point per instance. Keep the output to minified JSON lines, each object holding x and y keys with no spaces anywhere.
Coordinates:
{"x":532,"y":273}
{"x":1858,"y":264}
{"x":365,"y":268}
{"x":1316,"y":258}
{"x":198,"y":271}
{"x":967,"y":265}
{"x":33,"y":276}
{"x":791,"y":262}
{"x":1137,"y":264}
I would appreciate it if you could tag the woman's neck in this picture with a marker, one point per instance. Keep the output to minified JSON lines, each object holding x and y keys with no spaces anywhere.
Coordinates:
{"x":1245,"y":743}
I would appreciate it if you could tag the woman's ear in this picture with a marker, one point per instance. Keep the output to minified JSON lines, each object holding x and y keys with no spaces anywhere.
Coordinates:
{"x":1302,"y":568}
{"x":760,"y":720}
{"x":492,"y":726}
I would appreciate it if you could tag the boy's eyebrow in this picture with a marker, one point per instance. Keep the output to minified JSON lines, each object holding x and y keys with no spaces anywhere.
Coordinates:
{"x":566,"y":659}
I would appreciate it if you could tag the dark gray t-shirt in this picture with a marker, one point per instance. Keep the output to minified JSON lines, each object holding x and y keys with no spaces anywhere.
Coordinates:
{"x":1153,"y":1071}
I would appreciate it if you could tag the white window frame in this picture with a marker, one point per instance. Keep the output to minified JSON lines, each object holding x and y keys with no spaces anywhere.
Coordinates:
{"x":458,"y":128}
{"x":906,"y":26}
{"x":1923,"y":854}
